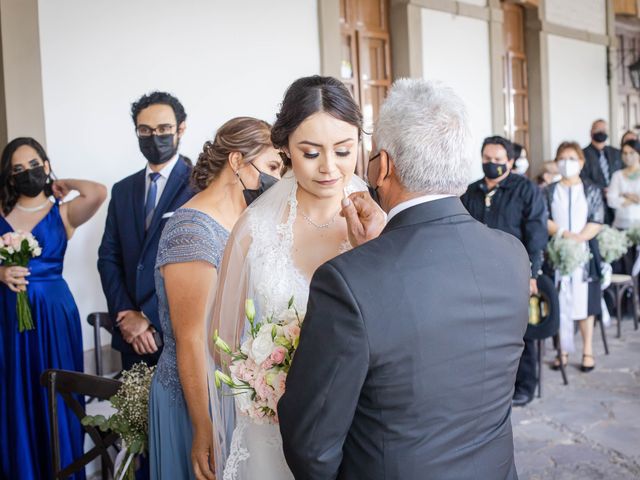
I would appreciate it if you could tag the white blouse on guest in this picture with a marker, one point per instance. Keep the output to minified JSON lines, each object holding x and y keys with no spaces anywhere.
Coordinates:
{"x":626,"y":216}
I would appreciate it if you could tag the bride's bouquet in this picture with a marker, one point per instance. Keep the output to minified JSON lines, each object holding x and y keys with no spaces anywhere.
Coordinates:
{"x":258,"y":370}
{"x":16,"y":249}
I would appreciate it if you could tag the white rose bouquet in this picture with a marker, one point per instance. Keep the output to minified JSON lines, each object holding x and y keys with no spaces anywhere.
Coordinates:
{"x":16,"y":250}
{"x":259,"y":368}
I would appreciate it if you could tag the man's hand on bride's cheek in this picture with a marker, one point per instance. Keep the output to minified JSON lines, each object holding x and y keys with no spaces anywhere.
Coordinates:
{"x":365,"y":219}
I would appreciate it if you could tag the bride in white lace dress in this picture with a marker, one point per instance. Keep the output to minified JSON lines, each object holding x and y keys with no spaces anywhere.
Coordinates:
{"x":275,"y":248}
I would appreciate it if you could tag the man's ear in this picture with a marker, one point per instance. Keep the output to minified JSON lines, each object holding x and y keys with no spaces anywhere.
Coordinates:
{"x":181,"y":128}
{"x":235,"y":161}
{"x":386,"y":167}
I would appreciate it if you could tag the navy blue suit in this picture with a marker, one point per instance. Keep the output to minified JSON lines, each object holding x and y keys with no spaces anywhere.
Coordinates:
{"x":127,"y":254}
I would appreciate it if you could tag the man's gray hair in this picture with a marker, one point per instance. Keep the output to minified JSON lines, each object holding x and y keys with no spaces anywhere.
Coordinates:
{"x":423,"y":126}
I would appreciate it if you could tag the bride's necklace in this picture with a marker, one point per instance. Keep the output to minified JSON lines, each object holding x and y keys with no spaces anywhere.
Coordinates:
{"x":324,"y":225}
{"x":32,"y":209}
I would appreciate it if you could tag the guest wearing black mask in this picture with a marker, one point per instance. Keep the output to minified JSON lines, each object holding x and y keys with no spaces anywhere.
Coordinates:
{"x":601,"y":162}
{"x":514,"y":204}
{"x":140,"y":206}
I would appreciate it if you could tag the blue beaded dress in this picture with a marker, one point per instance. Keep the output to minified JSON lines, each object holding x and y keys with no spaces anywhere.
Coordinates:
{"x":189,"y":236}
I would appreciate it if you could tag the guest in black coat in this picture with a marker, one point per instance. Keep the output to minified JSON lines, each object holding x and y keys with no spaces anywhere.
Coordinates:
{"x":601,"y":162}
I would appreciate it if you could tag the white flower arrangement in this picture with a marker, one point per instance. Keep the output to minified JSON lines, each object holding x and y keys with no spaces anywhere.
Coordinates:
{"x":566,"y":254}
{"x":613,"y":244}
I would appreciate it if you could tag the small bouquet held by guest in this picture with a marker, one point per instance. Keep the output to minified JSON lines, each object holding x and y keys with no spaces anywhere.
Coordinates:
{"x":131,"y":420}
{"x":613,"y":244}
{"x":566,"y":254}
{"x":16,"y":249}
{"x":258,"y":369}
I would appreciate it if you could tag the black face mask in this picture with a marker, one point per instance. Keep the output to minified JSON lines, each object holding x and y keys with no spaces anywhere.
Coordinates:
{"x":157,"y":149}
{"x":494,"y":170}
{"x":266,"y":182}
{"x":374,"y":194}
{"x":600,"y":137}
{"x":30,"y":182}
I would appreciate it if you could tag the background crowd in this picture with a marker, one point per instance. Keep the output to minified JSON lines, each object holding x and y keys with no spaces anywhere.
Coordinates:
{"x":165,"y":233}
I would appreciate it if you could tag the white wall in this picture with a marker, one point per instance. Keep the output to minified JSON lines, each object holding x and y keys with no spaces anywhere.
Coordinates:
{"x":455,"y":50}
{"x":589,"y":15}
{"x":220,"y":58}
{"x":578,"y":92}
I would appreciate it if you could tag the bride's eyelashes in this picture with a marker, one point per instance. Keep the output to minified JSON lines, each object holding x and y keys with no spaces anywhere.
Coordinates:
{"x":312,"y":155}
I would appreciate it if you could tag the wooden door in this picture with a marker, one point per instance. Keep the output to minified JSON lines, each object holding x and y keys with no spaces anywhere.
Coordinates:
{"x":516,"y":90}
{"x":628,"y":35}
{"x":366,"y":60}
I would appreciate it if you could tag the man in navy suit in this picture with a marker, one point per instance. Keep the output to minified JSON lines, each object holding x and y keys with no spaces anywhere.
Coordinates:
{"x":139,"y":207}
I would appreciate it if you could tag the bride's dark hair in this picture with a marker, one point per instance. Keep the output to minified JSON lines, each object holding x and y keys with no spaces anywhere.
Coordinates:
{"x":309,"y":95}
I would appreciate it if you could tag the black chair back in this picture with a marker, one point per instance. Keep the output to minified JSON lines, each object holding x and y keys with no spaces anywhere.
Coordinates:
{"x":99,"y":320}
{"x":68,"y":384}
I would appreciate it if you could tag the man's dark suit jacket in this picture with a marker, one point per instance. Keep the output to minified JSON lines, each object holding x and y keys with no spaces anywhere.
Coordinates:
{"x":127,"y":254}
{"x":408,"y":354}
{"x":592,"y":170}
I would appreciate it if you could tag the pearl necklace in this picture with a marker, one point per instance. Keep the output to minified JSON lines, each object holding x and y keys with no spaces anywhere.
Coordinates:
{"x":32,"y":209}
{"x":324,"y":225}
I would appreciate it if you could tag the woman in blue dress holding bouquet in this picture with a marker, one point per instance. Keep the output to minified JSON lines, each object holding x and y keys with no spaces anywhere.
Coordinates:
{"x":55,"y":341}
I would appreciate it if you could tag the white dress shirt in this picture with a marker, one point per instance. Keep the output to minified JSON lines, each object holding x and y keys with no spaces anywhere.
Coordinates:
{"x":412,"y":203}
{"x":161,"y":182}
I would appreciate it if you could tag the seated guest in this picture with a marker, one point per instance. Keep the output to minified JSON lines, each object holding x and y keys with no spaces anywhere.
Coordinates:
{"x":139,"y":208}
{"x":576,"y":211}
{"x":231,"y":171}
{"x":26,"y":200}
{"x":513,"y":204}
{"x":549,"y":174}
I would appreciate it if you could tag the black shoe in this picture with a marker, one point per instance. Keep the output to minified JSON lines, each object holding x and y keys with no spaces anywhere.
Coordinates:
{"x":520,"y":399}
{"x":584,"y":368}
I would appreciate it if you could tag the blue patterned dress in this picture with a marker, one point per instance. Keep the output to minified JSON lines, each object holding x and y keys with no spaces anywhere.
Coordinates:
{"x":189,"y":236}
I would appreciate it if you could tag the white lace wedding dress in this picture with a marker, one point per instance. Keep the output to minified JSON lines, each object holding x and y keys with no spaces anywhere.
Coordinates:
{"x":270,"y":278}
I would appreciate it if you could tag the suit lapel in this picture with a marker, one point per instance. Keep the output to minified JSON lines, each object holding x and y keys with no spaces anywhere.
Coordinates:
{"x":176,"y":181}
{"x":138,"y":203}
{"x":427,"y":212}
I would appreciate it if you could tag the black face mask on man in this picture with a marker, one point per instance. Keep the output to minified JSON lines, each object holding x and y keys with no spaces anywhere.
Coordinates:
{"x":599,"y":137}
{"x":158,"y":149}
{"x":30,"y":183}
{"x":494,"y":170}
{"x":265,"y":183}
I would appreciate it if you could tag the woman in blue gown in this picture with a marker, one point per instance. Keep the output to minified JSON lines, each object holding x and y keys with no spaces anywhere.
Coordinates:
{"x":231,"y":171}
{"x":56,"y":341}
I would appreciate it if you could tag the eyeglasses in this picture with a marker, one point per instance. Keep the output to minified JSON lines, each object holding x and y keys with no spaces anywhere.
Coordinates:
{"x":375,"y":156}
{"x":147,"y":131}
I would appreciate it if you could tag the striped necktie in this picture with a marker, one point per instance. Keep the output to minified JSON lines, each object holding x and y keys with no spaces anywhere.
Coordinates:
{"x":604,"y":166}
{"x":150,"y":205}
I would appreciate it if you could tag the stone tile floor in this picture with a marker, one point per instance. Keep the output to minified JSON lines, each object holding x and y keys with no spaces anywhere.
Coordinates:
{"x":589,"y":429}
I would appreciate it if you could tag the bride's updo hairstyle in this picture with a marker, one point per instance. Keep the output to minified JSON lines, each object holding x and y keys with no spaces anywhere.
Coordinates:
{"x":309,"y":95}
{"x":246,"y":135}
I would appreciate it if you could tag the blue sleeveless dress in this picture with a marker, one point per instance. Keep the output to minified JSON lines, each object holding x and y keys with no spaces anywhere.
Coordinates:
{"x":56,"y":342}
{"x":189,"y":236}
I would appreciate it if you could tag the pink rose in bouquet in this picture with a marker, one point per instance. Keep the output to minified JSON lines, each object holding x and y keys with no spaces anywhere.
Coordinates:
{"x":258,"y":368}
{"x":16,"y":250}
